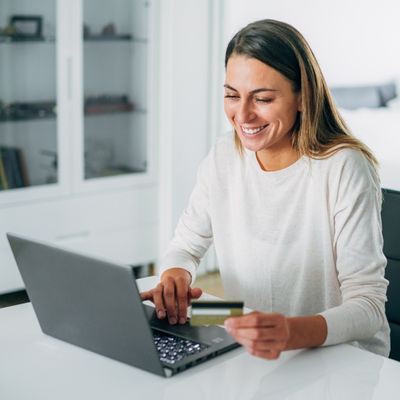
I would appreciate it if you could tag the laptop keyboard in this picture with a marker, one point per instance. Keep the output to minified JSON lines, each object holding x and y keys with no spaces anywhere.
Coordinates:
{"x":172,"y":349}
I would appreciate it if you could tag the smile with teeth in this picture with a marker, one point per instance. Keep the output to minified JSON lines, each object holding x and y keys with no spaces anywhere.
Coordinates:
{"x":253,"y":131}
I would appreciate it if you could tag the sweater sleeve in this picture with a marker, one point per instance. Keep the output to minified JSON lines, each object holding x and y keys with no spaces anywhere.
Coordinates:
{"x":360,"y":262}
{"x":193,"y":234}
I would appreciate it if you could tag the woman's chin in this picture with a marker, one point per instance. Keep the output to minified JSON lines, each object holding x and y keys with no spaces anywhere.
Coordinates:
{"x":251,"y":144}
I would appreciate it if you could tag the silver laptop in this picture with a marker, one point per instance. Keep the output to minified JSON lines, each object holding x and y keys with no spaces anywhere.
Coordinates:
{"x":96,"y":305}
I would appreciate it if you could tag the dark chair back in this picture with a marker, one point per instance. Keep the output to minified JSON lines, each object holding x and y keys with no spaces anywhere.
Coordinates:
{"x":391,"y":249}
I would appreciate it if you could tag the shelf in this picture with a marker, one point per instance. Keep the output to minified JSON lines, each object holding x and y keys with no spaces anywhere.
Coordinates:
{"x":114,"y":38}
{"x":23,"y":119}
{"x":86,"y":114}
{"x":26,"y":39}
{"x":87,"y":39}
{"x":115,"y":171}
{"x":23,"y":111}
{"x":107,"y":38}
{"x":112,"y":112}
{"x":107,"y":112}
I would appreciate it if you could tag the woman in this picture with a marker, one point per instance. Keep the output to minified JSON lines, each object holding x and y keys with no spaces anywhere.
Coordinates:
{"x":292,"y":204}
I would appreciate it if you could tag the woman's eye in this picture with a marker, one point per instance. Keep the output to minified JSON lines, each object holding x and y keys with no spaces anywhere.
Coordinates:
{"x":231,"y":96}
{"x":262,"y":100}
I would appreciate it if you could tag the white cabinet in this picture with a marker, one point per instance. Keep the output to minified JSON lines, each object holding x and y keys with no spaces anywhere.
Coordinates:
{"x":77,"y":123}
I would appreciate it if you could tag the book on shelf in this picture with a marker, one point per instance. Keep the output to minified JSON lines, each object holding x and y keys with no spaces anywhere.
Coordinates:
{"x":23,"y":168}
{"x":13,"y":170}
{"x":3,"y":177}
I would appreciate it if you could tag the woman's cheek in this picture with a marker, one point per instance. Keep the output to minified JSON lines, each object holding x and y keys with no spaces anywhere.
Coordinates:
{"x":229,"y":110}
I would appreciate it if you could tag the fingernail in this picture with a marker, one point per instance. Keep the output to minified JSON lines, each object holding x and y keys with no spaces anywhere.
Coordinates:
{"x":172,"y":321}
{"x":161,"y":314}
{"x":182,"y":320}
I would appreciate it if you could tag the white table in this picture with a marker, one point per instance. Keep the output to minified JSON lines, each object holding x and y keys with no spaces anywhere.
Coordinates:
{"x":36,"y":366}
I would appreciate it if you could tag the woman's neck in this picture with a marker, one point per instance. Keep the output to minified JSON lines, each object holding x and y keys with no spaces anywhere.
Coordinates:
{"x":270,"y":160}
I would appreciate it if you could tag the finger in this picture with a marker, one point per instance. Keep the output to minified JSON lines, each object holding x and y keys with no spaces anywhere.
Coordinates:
{"x":159,"y":301}
{"x":255,"y":319}
{"x":262,"y":345}
{"x":169,"y":299}
{"x":269,"y":355}
{"x":146,"y":295}
{"x":182,"y":288}
{"x":263,"y":333}
{"x":195,"y":293}
{"x":259,"y":339}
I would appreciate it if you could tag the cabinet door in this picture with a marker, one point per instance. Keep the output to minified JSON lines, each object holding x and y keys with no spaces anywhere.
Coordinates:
{"x":29,"y":101}
{"x":114,"y":144}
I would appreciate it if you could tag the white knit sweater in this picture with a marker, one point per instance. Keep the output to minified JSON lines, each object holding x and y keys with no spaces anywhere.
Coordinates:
{"x":299,"y":241}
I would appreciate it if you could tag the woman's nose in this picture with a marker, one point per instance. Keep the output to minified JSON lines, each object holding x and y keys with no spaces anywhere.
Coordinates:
{"x":244,"y":113}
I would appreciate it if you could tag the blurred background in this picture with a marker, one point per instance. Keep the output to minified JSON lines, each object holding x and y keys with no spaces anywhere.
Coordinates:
{"x":107,"y":108}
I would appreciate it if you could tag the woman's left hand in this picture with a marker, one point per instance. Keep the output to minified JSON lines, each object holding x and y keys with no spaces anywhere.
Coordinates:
{"x":263,"y":335}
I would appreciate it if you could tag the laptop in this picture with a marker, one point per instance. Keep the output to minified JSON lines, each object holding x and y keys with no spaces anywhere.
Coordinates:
{"x":96,"y":304}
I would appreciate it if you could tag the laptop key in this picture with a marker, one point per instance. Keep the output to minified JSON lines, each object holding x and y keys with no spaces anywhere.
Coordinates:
{"x":172,"y":349}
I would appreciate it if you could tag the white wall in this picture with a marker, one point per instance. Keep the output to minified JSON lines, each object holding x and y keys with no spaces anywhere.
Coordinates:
{"x":186,"y":29}
{"x":355,"y":41}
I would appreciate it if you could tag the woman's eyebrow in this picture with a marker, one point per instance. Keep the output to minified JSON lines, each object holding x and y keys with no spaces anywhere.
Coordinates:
{"x":226,"y":86}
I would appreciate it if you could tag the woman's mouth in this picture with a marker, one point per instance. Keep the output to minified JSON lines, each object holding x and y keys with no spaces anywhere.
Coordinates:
{"x":252,"y":131}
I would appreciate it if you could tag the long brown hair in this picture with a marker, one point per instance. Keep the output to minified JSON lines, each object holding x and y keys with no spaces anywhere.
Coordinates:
{"x":319,"y":130}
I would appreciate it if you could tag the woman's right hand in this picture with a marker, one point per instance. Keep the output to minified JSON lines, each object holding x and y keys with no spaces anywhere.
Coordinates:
{"x":172,"y":295}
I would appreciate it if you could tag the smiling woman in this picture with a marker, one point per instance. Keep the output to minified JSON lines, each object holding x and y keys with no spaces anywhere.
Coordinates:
{"x":263,"y":108}
{"x":291,"y":202}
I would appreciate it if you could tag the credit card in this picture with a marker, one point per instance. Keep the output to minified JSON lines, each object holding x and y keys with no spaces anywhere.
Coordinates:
{"x":206,"y":312}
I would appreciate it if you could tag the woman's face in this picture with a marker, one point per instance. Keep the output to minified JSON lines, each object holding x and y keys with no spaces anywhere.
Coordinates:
{"x":260,"y":104}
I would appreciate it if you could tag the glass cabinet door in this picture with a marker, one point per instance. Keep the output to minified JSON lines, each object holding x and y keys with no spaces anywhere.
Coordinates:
{"x":115,"y":49}
{"x":28,"y":93}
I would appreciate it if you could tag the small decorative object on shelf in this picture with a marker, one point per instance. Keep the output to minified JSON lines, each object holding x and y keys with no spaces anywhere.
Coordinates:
{"x":19,"y":111}
{"x":108,"y":32}
{"x":50,"y":164}
{"x":86,"y":31}
{"x":107,"y":104}
{"x":100,"y":158}
{"x":8,"y":31}
{"x":25,"y":27}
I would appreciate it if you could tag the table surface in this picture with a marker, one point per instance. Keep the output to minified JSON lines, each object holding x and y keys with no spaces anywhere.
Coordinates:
{"x":36,"y":366}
